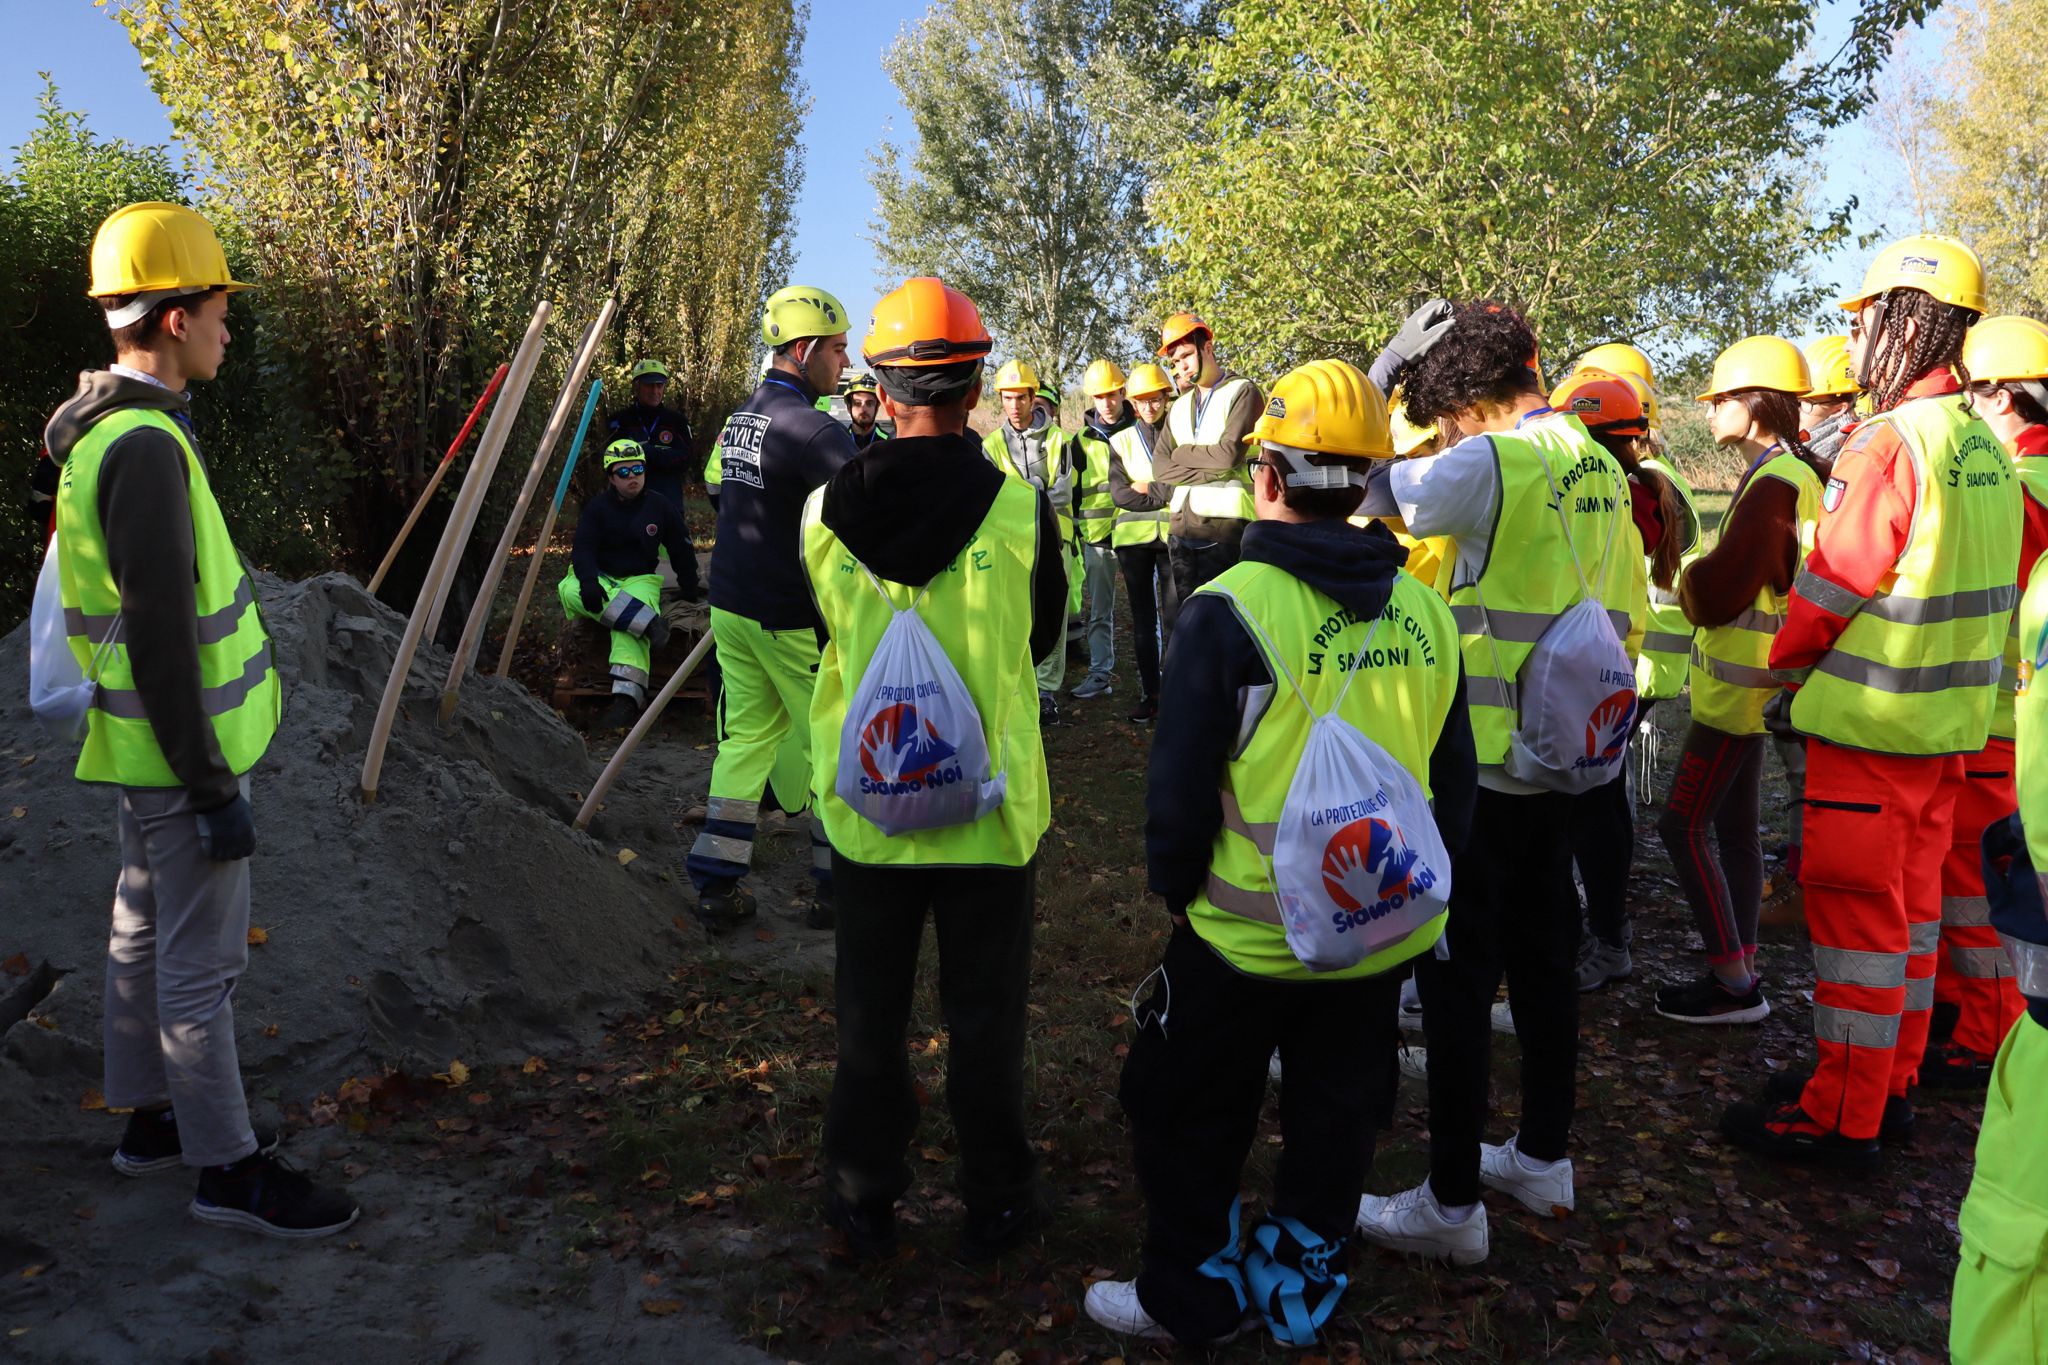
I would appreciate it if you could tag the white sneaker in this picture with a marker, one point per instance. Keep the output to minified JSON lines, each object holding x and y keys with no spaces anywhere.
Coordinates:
{"x":1413,"y":1059}
{"x":1546,"y":1190}
{"x":1273,"y":1067}
{"x":1114,"y":1304}
{"x":1413,"y":1221}
{"x":1411,"y":1007}
{"x":1503,"y":1017}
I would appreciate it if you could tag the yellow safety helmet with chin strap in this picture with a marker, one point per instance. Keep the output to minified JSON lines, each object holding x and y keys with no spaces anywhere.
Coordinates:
{"x":1326,"y":407}
{"x":1761,"y":362}
{"x":1015,"y":377}
{"x":1102,"y":377}
{"x":798,"y":311}
{"x":1827,"y":360}
{"x":1147,"y":379}
{"x":2003,"y":349}
{"x":1407,"y":436}
{"x":1618,"y":357}
{"x":1930,"y":262}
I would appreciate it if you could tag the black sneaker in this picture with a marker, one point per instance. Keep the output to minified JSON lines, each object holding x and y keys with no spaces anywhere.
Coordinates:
{"x":150,"y":1145}
{"x":1048,"y":710}
{"x":1146,"y":709}
{"x":1788,"y":1133}
{"x":1707,"y":1001}
{"x":1951,"y":1066}
{"x":264,"y":1194}
{"x":823,"y":912}
{"x":870,"y":1235}
{"x":722,"y":909}
{"x":1894,"y":1130}
{"x":989,"y":1233}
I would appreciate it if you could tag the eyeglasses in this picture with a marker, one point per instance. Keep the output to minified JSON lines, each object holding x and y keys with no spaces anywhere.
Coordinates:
{"x":628,"y":471}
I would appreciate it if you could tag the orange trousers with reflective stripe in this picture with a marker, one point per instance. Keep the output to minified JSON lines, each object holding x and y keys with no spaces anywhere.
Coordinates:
{"x":1877,"y":832}
{"x":1973,"y":971}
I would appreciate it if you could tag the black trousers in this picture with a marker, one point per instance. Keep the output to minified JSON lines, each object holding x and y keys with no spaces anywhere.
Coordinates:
{"x":1193,"y":1087}
{"x":1155,"y":602}
{"x":1603,"y":834}
{"x":1512,"y":909}
{"x":1195,"y":562}
{"x":982,"y":916}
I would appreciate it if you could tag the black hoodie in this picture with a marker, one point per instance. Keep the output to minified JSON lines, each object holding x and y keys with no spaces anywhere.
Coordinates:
{"x":1213,"y":660}
{"x":907,"y":507}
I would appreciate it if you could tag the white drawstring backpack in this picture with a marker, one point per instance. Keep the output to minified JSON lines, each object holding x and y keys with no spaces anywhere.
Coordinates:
{"x":912,"y":754}
{"x":59,"y":692}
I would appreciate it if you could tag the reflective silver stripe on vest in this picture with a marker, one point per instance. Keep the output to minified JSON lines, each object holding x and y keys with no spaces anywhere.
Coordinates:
{"x":214,"y":627}
{"x":1763,"y":622}
{"x":1094,"y":513}
{"x":1262,"y":836}
{"x":1490,"y":692}
{"x":1926,"y":678}
{"x":1828,"y":596}
{"x":1930,"y":611}
{"x":1127,"y":518}
{"x":1965,"y":912}
{"x":1665,"y":642}
{"x":1262,"y":906}
{"x":1735,"y":675}
{"x":1923,"y":936}
{"x":1981,"y":964}
{"x":1854,"y":1027}
{"x":1519,"y":627}
{"x":126,"y":704}
{"x":1848,"y":967}
{"x":1919,"y":993}
{"x":2029,"y":965}
{"x":732,"y":809}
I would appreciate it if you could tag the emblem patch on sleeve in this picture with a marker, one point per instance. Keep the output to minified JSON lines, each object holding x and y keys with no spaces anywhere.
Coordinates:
{"x":1831,"y":496}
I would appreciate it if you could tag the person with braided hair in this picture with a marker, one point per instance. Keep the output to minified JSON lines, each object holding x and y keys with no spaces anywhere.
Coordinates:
{"x":1893,"y":639}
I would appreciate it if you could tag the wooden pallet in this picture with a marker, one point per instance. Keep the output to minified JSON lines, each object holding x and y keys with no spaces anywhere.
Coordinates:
{"x":583,"y":668}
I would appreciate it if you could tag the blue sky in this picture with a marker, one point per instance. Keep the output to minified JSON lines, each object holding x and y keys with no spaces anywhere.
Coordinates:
{"x":853,"y":107}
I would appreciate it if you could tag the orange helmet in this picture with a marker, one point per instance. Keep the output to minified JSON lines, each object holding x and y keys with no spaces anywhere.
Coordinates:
{"x":1180,"y":327}
{"x":1606,"y":403}
{"x":925,"y":321}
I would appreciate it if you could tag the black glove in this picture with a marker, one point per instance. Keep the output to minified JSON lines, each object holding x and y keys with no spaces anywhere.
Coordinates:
{"x":1425,"y":327}
{"x":227,"y":833}
{"x":1778,"y":716}
{"x":593,"y":596}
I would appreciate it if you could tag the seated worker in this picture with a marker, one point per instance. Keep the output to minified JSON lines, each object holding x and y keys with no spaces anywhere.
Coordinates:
{"x":614,"y":573}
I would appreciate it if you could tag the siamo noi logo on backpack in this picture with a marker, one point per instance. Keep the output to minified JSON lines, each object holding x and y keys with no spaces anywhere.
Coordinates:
{"x":1369,"y":870}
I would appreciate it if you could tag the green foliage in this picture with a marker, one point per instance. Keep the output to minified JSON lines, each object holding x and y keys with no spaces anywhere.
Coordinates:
{"x":1627,"y":167}
{"x":1021,"y":192}
{"x":1993,"y":136}
{"x":62,"y":183}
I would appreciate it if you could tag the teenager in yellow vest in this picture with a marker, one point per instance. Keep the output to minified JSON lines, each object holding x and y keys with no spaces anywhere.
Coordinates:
{"x":1095,"y":516}
{"x":1523,"y":493}
{"x":1027,"y":444}
{"x":1893,"y":637}
{"x":927,"y":522}
{"x":1140,"y":536}
{"x":163,"y":616}
{"x":1203,"y":455}
{"x":1301,"y":603}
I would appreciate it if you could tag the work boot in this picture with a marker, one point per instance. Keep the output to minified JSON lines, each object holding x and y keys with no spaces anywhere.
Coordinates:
{"x":1894,"y":1130}
{"x":823,"y":911}
{"x":1604,"y":962}
{"x":1146,"y":709}
{"x":622,"y":714}
{"x":988,"y":1233}
{"x":722,"y":909}
{"x":1788,"y":1133}
{"x":870,"y":1234}
{"x":150,"y":1144}
{"x":1951,"y":1066}
{"x":264,"y":1194}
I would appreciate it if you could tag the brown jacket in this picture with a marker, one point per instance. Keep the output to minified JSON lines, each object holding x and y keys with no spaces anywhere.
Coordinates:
{"x":1195,"y":464}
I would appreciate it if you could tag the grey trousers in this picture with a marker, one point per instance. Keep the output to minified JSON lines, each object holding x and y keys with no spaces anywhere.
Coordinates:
{"x":180,"y":941}
{"x":1101,"y":590}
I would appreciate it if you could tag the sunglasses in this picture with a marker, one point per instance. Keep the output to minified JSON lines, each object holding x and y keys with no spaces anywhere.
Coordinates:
{"x":628,"y":471}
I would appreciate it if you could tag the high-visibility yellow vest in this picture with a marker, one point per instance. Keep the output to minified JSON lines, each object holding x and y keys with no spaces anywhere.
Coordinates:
{"x":1094,"y":509}
{"x":714,"y":465}
{"x":1667,"y":642}
{"x":1199,"y":421}
{"x":2033,"y":474}
{"x":2030,"y":707}
{"x":979,"y":609}
{"x":1133,"y":447}
{"x":1731,"y":664}
{"x":1401,"y":699}
{"x":1528,"y":580}
{"x":2000,"y":1301}
{"x":1916,"y":669}
{"x":1059,"y":491}
{"x":237,"y":677}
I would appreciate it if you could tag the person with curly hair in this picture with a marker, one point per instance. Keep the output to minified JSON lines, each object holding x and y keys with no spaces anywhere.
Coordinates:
{"x":1533,"y":507}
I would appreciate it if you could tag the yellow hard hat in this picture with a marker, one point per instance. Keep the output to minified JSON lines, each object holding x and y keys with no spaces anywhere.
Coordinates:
{"x":1646,"y":395}
{"x":1930,"y":262}
{"x":2006,"y":348}
{"x":1618,"y":357}
{"x":1408,"y":437}
{"x":150,"y":247}
{"x":1330,"y":407}
{"x":1146,"y":379}
{"x":1827,"y":360}
{"x":1102,"y":377}
{"x":1759,"y":363}
{"x":1016,"y":375}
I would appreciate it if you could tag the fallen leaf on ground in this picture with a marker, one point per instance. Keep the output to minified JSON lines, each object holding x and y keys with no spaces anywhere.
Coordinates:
{"x":764,"y":935}
{"x":16,"y":965}
{"x":20,"y":811}
{"x":660,"y":1308}
{"x":626,"y":855}
{"x":258,"y":937}
{"x":532,"y":1065}
{"x":456,"y":1074}
{"x":30,"y":1272}
{"x":92,"y":1101}
{"x":1883,"y":1267}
